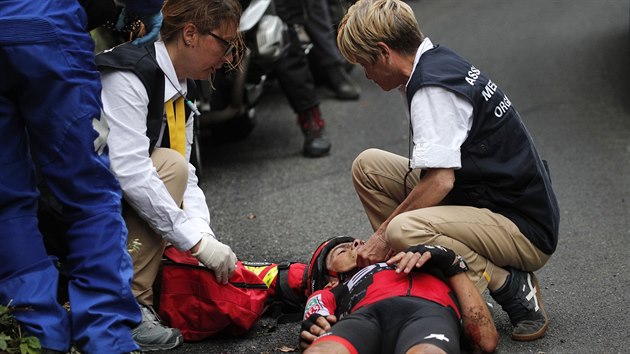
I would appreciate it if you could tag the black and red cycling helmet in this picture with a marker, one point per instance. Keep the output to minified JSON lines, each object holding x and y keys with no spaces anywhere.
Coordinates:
{"x":317,"y":273}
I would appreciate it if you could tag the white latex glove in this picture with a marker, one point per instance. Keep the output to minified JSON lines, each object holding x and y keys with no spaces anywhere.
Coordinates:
{"x":217,"y":257}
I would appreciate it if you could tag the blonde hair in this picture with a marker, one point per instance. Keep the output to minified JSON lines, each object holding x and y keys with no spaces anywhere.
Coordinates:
{"x":368,"y":22}
{"x":206,"y":15}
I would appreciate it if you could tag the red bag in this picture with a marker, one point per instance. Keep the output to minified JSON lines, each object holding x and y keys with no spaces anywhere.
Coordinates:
{"x":194,"y":302}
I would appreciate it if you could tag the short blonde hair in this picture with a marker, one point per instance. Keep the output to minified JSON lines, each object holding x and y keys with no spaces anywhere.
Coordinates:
{"x":371,"y":21}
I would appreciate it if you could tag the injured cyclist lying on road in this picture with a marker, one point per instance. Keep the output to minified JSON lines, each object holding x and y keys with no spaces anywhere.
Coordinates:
{"x":418,"y":301}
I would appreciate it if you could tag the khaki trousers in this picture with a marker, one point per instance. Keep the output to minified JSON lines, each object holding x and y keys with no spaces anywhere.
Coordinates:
{"x":172,"y":169}
{"x":486,"y":240}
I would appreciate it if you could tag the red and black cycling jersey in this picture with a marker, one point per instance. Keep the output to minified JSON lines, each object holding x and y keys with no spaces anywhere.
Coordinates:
{"x":377,"y":282}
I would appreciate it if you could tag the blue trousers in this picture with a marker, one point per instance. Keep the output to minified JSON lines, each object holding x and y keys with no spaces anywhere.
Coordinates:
{"x":50,"y":112}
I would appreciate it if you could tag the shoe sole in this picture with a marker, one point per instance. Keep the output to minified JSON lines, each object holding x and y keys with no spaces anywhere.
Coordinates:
{"x":541,"y":332}
{"x":155,"y":347}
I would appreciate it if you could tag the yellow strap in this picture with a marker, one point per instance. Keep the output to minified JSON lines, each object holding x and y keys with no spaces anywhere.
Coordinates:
{"x":176,"y":119}
{"x":269,"y":277}
{"x":255,"y":269}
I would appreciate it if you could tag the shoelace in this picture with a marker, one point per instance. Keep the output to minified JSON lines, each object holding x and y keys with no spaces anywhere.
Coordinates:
{"x":150,"y":316}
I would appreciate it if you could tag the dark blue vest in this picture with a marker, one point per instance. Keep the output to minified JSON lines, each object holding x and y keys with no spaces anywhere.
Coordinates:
{"x":501,"y":169}
{"x":142,"y":62}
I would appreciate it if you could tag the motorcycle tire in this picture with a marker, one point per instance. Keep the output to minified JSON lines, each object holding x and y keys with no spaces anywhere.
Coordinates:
{"x":234,"y":129}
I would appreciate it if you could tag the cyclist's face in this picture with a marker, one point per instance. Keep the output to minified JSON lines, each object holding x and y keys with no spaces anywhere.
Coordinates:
{"x":342,"y":258}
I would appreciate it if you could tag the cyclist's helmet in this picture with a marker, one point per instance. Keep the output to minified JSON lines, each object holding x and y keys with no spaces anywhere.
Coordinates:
{"x":317,"y":273}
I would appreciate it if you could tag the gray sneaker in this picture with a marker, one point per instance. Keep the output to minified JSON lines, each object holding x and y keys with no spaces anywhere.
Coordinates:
{"x":152,"y":335}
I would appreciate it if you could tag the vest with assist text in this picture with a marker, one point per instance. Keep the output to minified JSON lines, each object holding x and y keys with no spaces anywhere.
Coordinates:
{"x":501,"y":169}
{"x":141,"y":61}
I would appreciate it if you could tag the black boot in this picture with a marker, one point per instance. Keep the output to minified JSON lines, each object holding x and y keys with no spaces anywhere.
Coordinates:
{"x":337,"y":79}
{"x":520,"y":297}
{"x":312,"y":124}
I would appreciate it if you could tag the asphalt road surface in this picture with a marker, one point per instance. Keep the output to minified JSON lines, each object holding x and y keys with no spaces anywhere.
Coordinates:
{"x":564,"y":65}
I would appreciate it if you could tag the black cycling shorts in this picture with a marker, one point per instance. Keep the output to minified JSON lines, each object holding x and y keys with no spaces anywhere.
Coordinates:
{"x":395,"y":325}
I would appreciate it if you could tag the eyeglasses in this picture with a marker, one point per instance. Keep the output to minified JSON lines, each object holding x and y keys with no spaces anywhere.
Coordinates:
{"x":229,"y":46}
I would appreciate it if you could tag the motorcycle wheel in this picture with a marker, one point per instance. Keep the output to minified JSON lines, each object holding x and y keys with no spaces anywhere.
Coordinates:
{"x":234,"y":129}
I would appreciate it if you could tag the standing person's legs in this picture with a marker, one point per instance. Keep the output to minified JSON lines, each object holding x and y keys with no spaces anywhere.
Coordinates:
{"x":24,"y":259}
{"x":173,"y":171}
{"x":296,"y":81}
{"x":67,"y":140}
{"x":294,"y":76}
{"x":324,"y":56}
{"x":319,"y":27}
